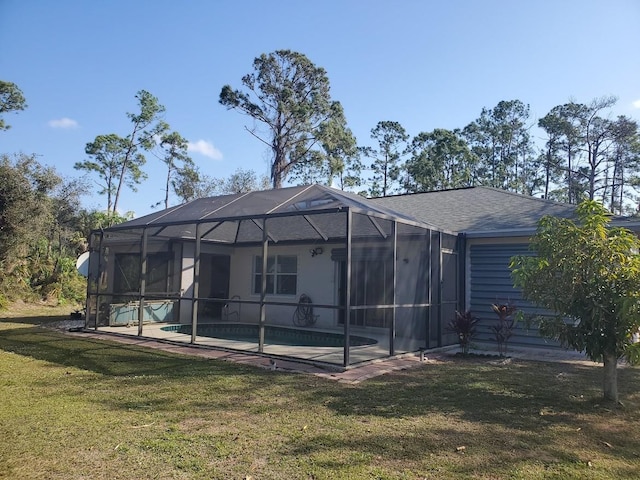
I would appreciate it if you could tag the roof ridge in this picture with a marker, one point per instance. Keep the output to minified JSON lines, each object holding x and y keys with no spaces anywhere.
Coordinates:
{"x":522,"y":195}
{"x":409,"y":194}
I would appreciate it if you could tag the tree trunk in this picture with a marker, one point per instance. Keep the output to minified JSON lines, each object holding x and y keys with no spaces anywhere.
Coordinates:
{"x":610,"y":384}
{"x":166,"y":188}
{"x":569,"y":177}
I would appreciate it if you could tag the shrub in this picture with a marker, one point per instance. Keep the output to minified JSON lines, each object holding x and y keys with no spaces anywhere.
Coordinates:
{"x":464,"y":326}
{"x":503,"y":330}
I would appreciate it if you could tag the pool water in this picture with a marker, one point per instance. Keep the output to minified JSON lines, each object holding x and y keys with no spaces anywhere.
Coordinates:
{"x":272,"y":335}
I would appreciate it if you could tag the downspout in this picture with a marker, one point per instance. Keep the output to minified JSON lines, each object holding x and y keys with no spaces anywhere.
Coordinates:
{"x":143,"y":279}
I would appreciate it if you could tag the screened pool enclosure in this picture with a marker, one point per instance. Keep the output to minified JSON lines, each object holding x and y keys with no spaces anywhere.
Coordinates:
{"x":310,"y":273}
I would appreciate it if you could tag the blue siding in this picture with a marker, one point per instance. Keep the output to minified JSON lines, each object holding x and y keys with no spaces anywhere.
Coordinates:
{"x":490,"y":283}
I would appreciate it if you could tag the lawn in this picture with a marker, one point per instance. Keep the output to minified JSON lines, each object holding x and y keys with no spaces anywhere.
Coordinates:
{"x":74,"y":408}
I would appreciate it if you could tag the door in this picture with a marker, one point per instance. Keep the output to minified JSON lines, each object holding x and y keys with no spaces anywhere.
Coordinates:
{"x":214,"y":284}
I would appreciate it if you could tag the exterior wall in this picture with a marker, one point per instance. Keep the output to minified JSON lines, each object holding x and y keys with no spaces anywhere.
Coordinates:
{"x":412,"y":287}
{"x":488,"y":281}
{"x":134,"y":247}
{"x":316,"y":277}
{"x":186,"y":273}
{"x":412,"y":272}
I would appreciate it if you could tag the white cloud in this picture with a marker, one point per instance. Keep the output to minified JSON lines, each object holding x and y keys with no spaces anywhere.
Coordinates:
{"x":636,"y":104}
{"x":63,"y":122}
{"x":205,"y":148}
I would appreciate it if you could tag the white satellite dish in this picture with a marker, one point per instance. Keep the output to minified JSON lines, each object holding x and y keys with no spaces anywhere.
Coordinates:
{"x":82,"y":264}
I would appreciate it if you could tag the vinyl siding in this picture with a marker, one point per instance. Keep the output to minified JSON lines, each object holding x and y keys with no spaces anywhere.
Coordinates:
{"x":491,"y":282}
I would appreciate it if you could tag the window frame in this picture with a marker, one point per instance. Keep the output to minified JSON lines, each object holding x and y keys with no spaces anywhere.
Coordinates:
{"x":275,"y":286}
{"x":158,"y":273}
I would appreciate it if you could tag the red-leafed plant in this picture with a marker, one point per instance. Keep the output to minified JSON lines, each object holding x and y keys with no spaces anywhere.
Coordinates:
{"x":503,"y":330}
{"x":464,"y":326}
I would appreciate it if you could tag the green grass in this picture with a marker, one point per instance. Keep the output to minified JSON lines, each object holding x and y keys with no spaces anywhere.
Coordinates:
{"x":74,"y":408}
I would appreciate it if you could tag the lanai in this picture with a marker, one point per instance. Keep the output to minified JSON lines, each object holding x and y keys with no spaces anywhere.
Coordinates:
{"x":333,"y":253}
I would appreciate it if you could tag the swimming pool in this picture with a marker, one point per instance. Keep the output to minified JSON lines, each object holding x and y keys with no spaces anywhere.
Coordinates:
{"x":272,"y":335}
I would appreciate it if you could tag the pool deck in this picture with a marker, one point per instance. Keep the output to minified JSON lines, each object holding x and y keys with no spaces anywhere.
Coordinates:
{"x":353,"y":374}
{"x":332,"y":356}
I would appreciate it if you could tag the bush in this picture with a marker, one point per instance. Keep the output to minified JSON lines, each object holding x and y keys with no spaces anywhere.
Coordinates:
{"x":464,"y":326}
{"x":503,"y":330}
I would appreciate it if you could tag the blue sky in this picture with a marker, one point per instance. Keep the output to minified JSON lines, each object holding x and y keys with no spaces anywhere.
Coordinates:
{"x":422,"y":63}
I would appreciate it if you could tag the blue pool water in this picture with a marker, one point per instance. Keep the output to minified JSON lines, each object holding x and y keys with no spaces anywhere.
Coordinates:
{"x":272,"y":335}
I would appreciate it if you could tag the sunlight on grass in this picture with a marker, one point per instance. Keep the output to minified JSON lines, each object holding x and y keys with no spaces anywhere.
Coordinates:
{"x":77,"y":408}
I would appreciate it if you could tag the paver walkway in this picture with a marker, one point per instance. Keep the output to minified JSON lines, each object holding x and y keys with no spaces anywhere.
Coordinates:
{"x":352,"y":375}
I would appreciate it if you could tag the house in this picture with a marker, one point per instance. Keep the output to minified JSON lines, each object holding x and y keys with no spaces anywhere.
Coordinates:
{"x":494,"y":225}
{"x":397,"y":267}
{"x":245,"y":271}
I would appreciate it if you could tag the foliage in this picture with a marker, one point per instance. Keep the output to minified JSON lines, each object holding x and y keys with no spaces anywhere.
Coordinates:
{"x":39,"y":221}
{"x":500,"y":140}
{"x":97,"y":220}
{"x":242,"y":181}
{"x":191,"y":184}
{"x":464,"y":326}
{"x":624,"y":157}
{"x":591,"y":156}
{"x":563,"y":127}
{"x":589,"y":275}
{"x":336,"y":159}
{"x":503,"y":330}
{"x":439,"y":160}
{"x":106,"y":153}
{"x":24,"y":185}
{"x":173,"y":152}
{"x":386,"y":165}
{"x":118,"y":160}
{"x":11,"y":100}
{"x":289,"y":96}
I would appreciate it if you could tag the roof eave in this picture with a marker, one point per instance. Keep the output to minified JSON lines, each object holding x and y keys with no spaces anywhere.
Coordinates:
{"x":512,"y":232}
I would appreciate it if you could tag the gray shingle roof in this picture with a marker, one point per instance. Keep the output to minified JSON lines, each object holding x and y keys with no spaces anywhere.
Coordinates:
{"x":473,"y":210}
{"x":476,"y":209}
{"x":282,"y":201}
{"x":306,"y":213}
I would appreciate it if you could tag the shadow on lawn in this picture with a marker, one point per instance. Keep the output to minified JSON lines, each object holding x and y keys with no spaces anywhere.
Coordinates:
{"x":517,"y":392}
{"x":35,"y":320}
{"x":501,"y":409}
{"x":539,"y":410}
{"x":488,"y":452}
{"x":106,"y":357}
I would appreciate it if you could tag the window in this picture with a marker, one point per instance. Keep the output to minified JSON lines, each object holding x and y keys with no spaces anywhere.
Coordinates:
{"x":282,"y":275}
{"x":127,"y":273}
